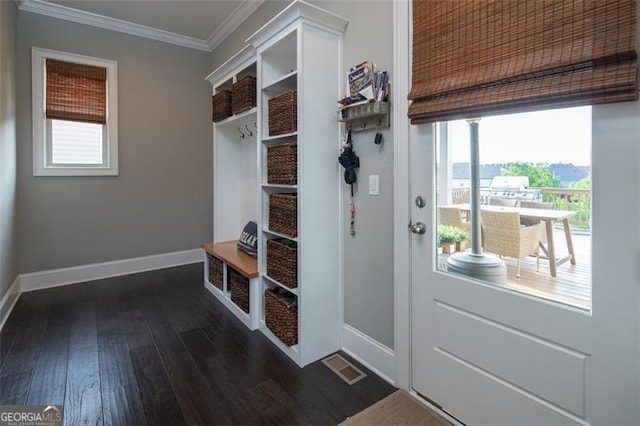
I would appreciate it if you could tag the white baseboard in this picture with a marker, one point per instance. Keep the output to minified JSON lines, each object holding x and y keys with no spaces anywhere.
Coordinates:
{"x":371,"y":353}
{"x":77,"y":274}
{"x":9,"y":301}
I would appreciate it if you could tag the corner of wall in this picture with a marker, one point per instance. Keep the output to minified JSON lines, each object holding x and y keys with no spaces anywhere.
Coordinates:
{"x":9,"y":300}
{"x":8,"y":152}
{"x":369,"y":352}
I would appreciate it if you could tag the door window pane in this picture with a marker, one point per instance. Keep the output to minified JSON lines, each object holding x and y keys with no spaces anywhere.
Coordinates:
{"x":535,"y":202}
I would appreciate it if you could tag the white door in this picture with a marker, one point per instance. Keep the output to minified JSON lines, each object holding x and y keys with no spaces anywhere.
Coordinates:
{"x":488,"y":355}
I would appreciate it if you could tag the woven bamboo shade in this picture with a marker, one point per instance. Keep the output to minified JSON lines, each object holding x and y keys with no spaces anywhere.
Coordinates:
{"x":76,"y":92}
{"x":483,"y":57}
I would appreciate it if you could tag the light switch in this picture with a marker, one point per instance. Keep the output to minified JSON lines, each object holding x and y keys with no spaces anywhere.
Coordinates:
{"x":374,"y":185}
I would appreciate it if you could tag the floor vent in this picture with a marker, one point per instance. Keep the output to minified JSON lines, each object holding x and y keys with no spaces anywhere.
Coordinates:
{"x":343,"y":368}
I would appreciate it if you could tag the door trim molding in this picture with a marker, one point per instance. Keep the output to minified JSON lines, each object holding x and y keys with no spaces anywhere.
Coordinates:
{"x":369,"y":352}
{"x":401,"y":212}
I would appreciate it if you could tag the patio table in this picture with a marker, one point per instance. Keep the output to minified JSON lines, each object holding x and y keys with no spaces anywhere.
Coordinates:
{"x":548,"y":215}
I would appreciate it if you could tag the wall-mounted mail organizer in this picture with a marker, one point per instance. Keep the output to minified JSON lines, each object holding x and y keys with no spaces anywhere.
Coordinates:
{"x":369,"y":116}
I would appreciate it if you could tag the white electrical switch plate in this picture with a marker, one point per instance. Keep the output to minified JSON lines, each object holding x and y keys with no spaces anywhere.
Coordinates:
{"x":374,"y":185}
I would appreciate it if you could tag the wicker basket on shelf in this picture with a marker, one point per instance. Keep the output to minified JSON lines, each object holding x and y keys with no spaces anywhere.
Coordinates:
{"x":222,"y":105}
{"x":244,"y":94}
{"x":283,"y":214}
{"x":239,"y":286}
{"x":282,"y":263}
{"x":215,"y":271}
{"x":283,"y":113}
{"x":281,"y":317}
{"x":282,"y":164}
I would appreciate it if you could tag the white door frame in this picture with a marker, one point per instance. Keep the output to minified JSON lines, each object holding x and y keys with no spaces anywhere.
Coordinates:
{"x":401,"y":214}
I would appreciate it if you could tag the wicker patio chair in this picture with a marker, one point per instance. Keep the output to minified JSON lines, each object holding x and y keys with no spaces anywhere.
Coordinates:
{"x":526,"y":221}
{"x":452,"y":216}
{"x":503,"y":235}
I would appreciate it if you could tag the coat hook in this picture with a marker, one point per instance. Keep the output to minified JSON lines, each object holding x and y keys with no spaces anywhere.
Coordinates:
{"x":242,"y":135}
{"x":246,"y":126}
{"x":255,"y":125}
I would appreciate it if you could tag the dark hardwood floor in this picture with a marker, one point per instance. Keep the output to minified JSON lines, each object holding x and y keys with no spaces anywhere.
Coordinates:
{"x":156,"y":348}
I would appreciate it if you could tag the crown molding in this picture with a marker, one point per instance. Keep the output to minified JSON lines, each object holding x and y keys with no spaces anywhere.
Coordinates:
{"x":241,"y":59}
{"x":298,"y":9}
{"x":237,"y":17}
{"x":88,"y":18}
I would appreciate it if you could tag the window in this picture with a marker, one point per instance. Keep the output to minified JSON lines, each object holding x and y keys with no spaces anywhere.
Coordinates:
{"x":534,"y":166}
{"x":75,"y":130}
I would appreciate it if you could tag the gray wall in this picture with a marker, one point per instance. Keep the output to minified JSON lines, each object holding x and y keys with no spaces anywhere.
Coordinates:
{"x":8,"y":210}
{"x":162,"y":200}
{"x":236,"y":40}
{"x":368,"y":269}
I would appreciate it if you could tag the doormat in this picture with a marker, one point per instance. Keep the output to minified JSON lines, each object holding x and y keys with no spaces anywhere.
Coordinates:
{"x":399,"y":408}
{"x":344,"y":369}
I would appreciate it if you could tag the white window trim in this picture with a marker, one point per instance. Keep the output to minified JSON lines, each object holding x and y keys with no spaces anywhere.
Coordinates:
{"x":40,"y":168}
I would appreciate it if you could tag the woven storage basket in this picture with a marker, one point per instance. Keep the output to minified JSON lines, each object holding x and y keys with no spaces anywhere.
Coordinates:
{"x":215,"y":271}
{"x":222,"y":105}
{"x":283,"y":214}
{"x":282,"y":263}
{"x":283,"y":113}
{"x":239,"y":289}
{"x":244,"y":94}
{"x":281,"y":318}
{"x":282,"y":164}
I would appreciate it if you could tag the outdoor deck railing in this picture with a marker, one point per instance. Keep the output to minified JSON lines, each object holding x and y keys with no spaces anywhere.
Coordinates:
{"x":578,"y":200}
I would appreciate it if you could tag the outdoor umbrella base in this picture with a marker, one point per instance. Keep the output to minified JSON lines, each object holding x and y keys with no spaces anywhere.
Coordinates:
{"x":482,"y":266}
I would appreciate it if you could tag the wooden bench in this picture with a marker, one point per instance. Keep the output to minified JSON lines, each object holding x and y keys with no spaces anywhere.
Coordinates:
{"x":229,"y":253}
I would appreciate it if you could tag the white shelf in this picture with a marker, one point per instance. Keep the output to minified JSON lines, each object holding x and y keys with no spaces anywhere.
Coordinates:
{"x":279,"y":186}
{"x":243,"y":116}
{"x":279,"y":59}
{"x":279,"y":235}
{"x":286,"y":82}
{"x":279,"y":284}
{"x":279,"y":137}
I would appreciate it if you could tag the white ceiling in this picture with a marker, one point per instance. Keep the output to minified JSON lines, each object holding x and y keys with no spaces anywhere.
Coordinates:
{"x":199,"y":24}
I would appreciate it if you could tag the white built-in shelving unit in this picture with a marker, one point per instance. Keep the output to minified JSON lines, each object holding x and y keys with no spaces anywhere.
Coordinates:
{"x":235,"y":187}
{"x":301,"y":49}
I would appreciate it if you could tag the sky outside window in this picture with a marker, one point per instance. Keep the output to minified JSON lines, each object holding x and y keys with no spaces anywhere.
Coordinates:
{"x":552,"y":136}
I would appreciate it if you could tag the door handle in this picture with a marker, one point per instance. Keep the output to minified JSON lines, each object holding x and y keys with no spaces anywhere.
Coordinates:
{"x":419,"y":228}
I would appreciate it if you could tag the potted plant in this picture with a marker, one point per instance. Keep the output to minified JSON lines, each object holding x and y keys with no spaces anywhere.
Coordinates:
{"x":461,"y":239}
{"x":447,"y":236}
